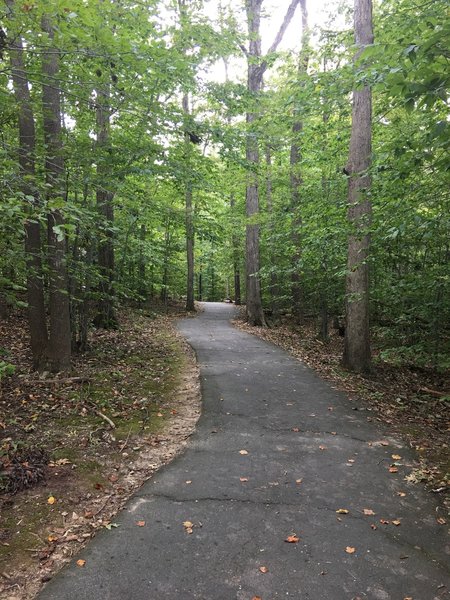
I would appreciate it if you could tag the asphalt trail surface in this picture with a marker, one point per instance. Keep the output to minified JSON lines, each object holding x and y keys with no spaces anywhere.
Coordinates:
{"x":268,"y":422}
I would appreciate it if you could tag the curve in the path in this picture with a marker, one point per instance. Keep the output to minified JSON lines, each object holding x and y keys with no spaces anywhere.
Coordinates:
{"x":277,"y":452}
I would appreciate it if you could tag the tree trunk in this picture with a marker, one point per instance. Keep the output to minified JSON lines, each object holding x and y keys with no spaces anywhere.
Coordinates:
{"x":27,"y":144}
{"x":236,"y":261}
{"x":256,"y":67}
{"x":142,"y":266}
{"x":255,"y":314}
{"x":357,"y":344}
{"x":274,"y":288}
{"x":59,"y":306}
{"x":106,"y":313}
{"x":189,"y":217}
{"x":296,"y":182}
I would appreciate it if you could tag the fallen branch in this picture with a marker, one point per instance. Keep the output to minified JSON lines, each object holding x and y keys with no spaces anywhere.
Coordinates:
{"x":435,"y":393}
{"x":107,"y":419}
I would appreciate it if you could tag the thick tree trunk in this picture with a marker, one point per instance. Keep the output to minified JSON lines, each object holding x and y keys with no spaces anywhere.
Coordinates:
{"x":255,"y":314}
{"x":27,"y":143}
{"x":189,"y":218}
{"x":296,"y":183}
{"x":58,"y":302}
{"x":357,"y":344}
{"x":256,"y":67}
{"x":106,"y":313}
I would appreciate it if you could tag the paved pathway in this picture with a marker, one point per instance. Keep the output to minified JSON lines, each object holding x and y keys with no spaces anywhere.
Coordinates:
{"x":243,"y":505}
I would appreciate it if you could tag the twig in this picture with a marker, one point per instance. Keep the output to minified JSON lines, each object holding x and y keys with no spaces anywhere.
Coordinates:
{"x":436,"y":393}
{"x":102,"y":507}
{"x":107,"y":419}
{"x":123,"y":446}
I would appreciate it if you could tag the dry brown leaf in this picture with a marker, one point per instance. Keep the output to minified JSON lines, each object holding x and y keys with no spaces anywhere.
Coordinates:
{"x":396,"y":456}
{"x":373,"y":526}
{"x":292,"y":539}
{"x":81,"y":562}
{"x":243,"y":452}
{"x":51,"y":500}
{"x":243,"y":479}
{"x":401,"y":494}
{"x":350,"y":550}
{"x":393,"y":470}
{"x":52,"y":538}
{"x":396,"y":522}
{"x":295,"y":429}
{"x":384,"y":521}
{"x":256,"y":598}
{"x":264,"y":569}
{"x":368,"y":512}
{"x":322,"y":447}
{"x":298,"y":481}
{"x":441,"y":521}
{"x":140,"y":523}
{"x":342,"y":511}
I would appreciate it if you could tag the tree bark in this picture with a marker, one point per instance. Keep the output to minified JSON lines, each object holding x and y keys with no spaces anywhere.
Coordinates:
{"x":274,"y":287}
{"x":236,"y":261}
{"x":357,"y":355}
{"x":58,"y":302}
{"x":296,"y":183}
{"x":189,"y":217}
{"x":256,"y":67}
{"x":106,"y":313}
{"x":27,"y":143}
{"x":255,"y":314}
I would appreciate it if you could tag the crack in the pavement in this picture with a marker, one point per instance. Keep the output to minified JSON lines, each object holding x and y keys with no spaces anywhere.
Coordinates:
{"x":404,"y":543}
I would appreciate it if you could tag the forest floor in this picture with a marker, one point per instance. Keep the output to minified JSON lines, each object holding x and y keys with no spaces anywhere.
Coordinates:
{"x":74,"y":448}
{"x":411,"y":401}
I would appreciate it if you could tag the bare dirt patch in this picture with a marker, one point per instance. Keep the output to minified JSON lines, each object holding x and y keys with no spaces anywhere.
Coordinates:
{"x":128,"y":408}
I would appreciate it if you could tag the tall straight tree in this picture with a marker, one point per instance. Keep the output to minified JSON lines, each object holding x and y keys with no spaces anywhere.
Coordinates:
{"x":357,"y":343}
{"x":296,"y":179}
{"x":106,"y":314}
{"x":256,"y":67}
{"x":189,"y":215}
{"x":26,"y":159}
{"x":58,"y":302}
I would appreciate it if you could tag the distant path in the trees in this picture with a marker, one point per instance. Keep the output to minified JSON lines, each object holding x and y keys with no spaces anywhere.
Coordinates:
{"x":276,"y":454}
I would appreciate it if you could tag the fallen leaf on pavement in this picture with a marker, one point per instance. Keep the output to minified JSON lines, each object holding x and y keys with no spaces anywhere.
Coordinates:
{"x":51,"y":500}
{"x":81,"y":562}
{"x":396,"y":456}
{"x":342,"y":511}
{"x":384,"y":522}
{"x":298,"y":481}
{"x":256,"y":598}
{"x":292,"y":539}
{"x":368,"y":512}
{"x":264,"y":569}
{"x":188,"y":526}
{"x":243,"y":452}
{"x":393,"y":470}
{"x":243,"y":479}
{"x":396,"y":522}
{"x":322,"y":447}
{"x":350,"y":550}
{"x":140,"y":523}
